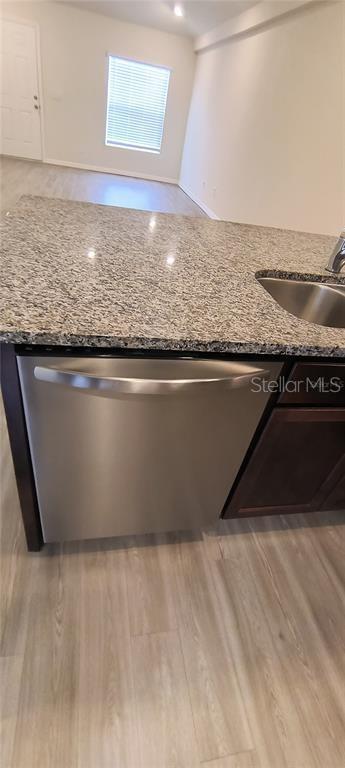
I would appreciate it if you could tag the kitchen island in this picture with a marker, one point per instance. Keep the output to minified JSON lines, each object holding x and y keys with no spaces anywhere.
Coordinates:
{"x":83,"y":281}
{"x":89,"y":275}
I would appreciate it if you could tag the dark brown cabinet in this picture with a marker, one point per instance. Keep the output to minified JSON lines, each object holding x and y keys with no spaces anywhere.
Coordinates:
{"x":318,"y":384}
{"x":298,"y":464}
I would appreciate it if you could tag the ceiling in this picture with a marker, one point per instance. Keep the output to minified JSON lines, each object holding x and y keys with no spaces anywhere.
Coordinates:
{"x":200,"y":15}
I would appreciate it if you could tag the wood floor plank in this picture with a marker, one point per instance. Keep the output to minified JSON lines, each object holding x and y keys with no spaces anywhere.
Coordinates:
{"x":47,"y":711}
{"x":165,"y":722}
{"x":10,"y":678}
{"x":320,"y":605}
{"x":329,"y":544}
{"x":241,"y":760}
{"x":316,"y":738}
{"x":219,"y":715}
{"x":211,"y":538}
{"x":315,"y":629}
{"x":277,"y":728}
{"x":106,"y":733}
{"x":150,"y":585}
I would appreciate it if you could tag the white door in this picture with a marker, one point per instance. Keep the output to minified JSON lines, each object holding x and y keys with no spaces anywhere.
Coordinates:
{"x":20,"y":123}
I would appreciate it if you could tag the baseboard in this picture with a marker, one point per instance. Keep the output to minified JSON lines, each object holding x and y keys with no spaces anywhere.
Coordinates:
{"x":112,"y":171}
{"x":205,"y":208}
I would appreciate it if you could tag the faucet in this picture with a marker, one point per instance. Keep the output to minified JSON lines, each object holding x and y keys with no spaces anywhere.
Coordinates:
{"x":337,"y":257}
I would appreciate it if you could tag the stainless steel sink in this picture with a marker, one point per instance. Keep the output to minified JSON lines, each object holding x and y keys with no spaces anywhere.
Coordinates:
{"x":320,"y":303}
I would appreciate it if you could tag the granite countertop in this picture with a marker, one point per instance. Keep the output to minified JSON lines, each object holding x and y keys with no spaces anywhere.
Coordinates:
{"x":96,"y":276}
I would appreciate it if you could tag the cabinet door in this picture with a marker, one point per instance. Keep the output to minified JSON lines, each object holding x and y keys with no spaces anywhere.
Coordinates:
{"x":298,"y":465}
{"x":316,"y":384}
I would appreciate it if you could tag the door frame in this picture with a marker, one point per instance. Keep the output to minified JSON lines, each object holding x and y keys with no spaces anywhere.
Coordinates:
{"x":36,"y":27}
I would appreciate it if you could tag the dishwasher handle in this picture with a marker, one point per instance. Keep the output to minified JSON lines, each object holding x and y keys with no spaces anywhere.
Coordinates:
{"x":109,"y":386}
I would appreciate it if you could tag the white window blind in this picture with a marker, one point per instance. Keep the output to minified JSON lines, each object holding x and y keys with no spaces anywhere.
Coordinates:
{"x":137,"y":95}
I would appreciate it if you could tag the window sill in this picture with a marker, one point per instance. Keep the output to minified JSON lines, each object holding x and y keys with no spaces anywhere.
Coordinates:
{"x":133,"y":149}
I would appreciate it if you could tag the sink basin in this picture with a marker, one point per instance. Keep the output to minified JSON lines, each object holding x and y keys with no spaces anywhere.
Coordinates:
{"x":320,"y":303}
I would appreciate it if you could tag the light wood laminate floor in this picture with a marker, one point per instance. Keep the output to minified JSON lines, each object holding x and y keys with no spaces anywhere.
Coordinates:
{"x":213,"y":649}
{"x":25,"y":177}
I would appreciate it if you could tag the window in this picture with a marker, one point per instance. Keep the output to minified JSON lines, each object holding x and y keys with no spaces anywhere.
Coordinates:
{"x":137,"y":95}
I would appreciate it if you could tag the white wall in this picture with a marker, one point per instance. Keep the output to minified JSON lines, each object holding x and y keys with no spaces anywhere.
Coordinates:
{"x":74,"y":44}
{"x":266,"y":133}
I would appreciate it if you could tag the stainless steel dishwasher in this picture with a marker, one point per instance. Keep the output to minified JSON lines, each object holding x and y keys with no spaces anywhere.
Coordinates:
{"x":129,"y":445}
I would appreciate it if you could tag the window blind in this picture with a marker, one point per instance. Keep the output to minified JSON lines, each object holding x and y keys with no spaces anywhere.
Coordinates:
{"x":137,"y":95}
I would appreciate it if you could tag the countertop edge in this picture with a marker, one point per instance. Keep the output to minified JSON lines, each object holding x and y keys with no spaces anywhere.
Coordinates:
{"x":170,"y":345}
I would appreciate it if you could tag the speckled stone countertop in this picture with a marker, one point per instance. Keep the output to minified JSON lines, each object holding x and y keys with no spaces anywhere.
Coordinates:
{"x":96,"y":276}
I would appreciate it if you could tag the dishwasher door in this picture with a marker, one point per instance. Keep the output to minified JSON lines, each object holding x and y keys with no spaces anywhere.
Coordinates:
{"x":136,"y":445}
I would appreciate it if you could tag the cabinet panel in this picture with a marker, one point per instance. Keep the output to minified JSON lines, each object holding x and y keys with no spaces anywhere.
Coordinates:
{"x":297,"y":466}
{"x":334,"y":489}
{"x":315,"y":384}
